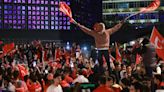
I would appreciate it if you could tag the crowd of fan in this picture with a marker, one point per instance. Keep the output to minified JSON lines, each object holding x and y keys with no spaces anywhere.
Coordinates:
{"x":47,"y":68}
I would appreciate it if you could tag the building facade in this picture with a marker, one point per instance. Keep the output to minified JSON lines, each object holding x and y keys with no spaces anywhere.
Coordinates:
{"x":115,"y":10}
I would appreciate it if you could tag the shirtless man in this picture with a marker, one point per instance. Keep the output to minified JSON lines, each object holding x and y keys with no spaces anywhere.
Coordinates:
{"x":102,"y":40}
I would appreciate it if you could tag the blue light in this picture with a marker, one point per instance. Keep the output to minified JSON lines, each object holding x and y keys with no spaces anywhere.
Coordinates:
{"x":85,"y":48}
{"x":68,"y":47}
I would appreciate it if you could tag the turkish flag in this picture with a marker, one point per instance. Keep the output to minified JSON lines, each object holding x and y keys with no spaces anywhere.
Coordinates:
{"x":138,"y":59}
{"x":8,"y":47}
{"x":151,"y":7}
{"x":158,"y":41}
{"x":63,"y":7}
{"x":118,"y":55}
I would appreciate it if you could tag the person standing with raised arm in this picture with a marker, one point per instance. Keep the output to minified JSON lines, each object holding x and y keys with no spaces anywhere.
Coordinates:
{"x":102,"y":40}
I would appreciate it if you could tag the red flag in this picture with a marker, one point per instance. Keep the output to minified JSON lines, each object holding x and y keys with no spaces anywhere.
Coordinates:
{"x":118,"y":55}
{"x":22,"y":70}
{"x":63,"y":7}
{"x":8,"y":47}
{"x":138,"y":59}
{"x":158,"y":41}
{"x":111,"y":58}
{"x":151,"y":7}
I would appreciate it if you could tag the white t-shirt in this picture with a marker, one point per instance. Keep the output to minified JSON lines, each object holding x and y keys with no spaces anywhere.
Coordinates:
{"x":81,"y":79}
{"x":53,"y":88}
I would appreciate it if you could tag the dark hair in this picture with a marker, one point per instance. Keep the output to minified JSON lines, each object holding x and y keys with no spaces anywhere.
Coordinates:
{"x":158,"y":77}
{"x":109,"y":78}
{"x":15,"y":74}
{"x":33,"y":77}
{"x":26,"y":78}
{"x":57,"y":74}
{"x":113,"y":77}
{"x":137,"y":86}
{"x":102,"y":80}
{"x":125,"y":81}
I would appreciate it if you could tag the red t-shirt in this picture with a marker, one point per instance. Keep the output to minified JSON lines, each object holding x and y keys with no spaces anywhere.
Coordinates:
{"x":34,"y":87}
{"x":103,"y":88}
{"x":68,"y":79}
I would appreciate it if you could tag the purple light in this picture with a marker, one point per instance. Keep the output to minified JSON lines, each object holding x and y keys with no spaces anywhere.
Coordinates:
{"x":52,"y":27}
{"x":52,"y":22}
{"x":56,"y":27}
{"x":33,"y":8}
{"x":46,"y":22}
{"x":56,"y":18}
{"x":42,"y":2}
{"x":42,"y":22}
{"x":38,"y":27}
{"x":52,"y":13}
{"x":56,"y":13}
{"x":52,"y":18}
{"x":42,"y":8}
{"x":23,"y":12}
{"x":46,"y":2}
{"x":46,"y":8}
{"x":42,"y":17}
{"x":56,"y":2}
{"x":46,"y":13}
{"x":37,"y":8}
{"x":42,"y":27}
{"x":42,"y":13}
{"x":29,"y":1}
{"x":46,"y":18}
{"x":38,"y":15}
{"x":52,"y":2}
{"x":10,"y":21}
{"x":46,"y":27}
{"x":23,"y":21}
{"x":56,"y":23}
{"x":29,"y":7}
{"x":38,"y":2}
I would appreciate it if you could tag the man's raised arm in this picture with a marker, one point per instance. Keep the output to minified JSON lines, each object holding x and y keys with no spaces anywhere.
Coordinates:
{"x":115,"y":28}
{"x":85,"y":29}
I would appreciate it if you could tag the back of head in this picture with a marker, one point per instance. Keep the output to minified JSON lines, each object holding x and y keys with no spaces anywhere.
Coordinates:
{"x":102,"y":80}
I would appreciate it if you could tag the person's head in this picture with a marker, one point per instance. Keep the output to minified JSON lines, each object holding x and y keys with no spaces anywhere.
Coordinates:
{"x":128,"y":69}
{"x":109,"y":81}
{"x":123,"y":66}
{"x":125,"y":82}
{"x":99,"y":27}
{"x":102,"y":80}
{"x":157,"y":79}
{"x":57,"y":79}
{"x":16,"y":74}
{"x":135,"y":87}
{"x":117,"y":66}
